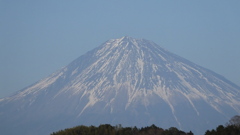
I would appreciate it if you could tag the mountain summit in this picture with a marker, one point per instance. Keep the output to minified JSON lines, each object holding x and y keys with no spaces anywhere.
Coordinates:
{"x":128,"y":81}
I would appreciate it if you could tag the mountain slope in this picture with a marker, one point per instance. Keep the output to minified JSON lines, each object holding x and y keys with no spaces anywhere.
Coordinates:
{"x":124,"y":81}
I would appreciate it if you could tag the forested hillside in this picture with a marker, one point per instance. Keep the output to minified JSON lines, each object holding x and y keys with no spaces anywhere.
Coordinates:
{"x":119,"y":130}
{"x":231,"y":128}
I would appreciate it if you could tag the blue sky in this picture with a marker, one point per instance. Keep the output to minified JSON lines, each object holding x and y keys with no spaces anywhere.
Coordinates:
{"x":39,"y":37}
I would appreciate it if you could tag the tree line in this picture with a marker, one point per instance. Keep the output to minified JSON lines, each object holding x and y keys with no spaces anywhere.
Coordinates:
{"x":231,"y":128}
{"x":107,"y":129}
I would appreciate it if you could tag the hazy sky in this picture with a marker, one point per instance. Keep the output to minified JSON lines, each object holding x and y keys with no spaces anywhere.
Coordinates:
{"x":39,"y":37}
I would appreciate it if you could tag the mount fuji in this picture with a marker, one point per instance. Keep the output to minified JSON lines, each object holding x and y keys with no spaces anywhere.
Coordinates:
{"x":128,"y":81}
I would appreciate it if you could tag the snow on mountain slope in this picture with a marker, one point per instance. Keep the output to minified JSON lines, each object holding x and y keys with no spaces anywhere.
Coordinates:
{"x":124,"y":81}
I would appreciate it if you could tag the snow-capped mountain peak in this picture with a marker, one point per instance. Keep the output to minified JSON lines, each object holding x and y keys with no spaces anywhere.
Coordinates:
{"x":128,"y":81}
